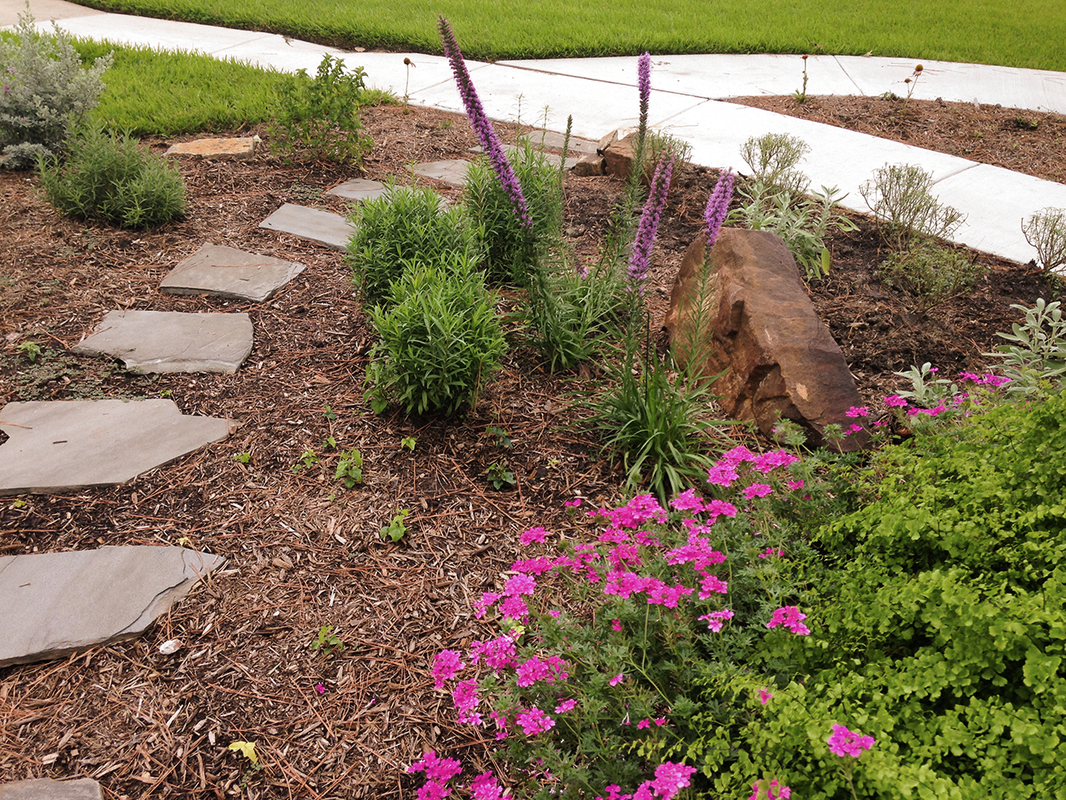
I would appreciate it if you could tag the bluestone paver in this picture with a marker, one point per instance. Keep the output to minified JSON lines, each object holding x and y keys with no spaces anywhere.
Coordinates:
{"x":172,"y":341}
{"x":232,"y":273}
{"x":59,"y":603}
{"x":451,"y":171}
{"x":323,"y":227}
{"x":48,"y":789}
{"x":358,"y":189}
{"x":55,"y":446}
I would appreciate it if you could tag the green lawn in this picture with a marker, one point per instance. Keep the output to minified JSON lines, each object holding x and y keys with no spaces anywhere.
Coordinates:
{"x":1018,"y":33}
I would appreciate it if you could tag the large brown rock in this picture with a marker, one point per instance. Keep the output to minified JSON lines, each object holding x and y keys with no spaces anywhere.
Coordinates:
{"x":760,"y":329}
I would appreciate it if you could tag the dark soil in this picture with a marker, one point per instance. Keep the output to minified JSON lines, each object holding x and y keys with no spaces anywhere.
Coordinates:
{"x":303,"y":551}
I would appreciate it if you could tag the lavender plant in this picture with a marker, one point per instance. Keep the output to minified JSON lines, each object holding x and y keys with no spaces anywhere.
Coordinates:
{"x":46,"y":92}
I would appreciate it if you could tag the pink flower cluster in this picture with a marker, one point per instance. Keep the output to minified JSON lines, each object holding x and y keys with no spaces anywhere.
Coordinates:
{"x":843,"y":742}
{"x":670,"y":779}
{"x":725,"y":470}
{"x":791,"y":618}
{"x":440,"y":771}
{"x":716,"y":619}
{"x":550,"y":670}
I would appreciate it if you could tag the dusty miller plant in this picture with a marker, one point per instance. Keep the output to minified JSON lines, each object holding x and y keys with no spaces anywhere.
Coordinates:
{"x":1035,"y":359}
{"x":46,"y":92}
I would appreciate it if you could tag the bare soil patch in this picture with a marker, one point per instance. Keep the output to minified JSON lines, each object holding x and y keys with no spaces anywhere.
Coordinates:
{"x":303,"y":551}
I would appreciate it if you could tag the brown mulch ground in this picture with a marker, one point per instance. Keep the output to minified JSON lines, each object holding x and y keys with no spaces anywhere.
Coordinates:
{"x":303,"y":552}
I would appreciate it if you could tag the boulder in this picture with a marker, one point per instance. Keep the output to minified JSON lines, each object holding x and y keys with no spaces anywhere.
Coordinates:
{"x":761,"y":334}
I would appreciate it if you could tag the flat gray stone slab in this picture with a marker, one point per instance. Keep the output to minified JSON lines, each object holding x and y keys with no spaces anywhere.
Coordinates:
{"x":70,"y":444}
{"x":59,"y":603}
{"x":323,"y":227}
{"x":236,"y":149}
{"x":451,"y":172}
{"x":172,"y":341}
{"x":359,"y":189}
{"x":48,"y":789}
{"x":228,"y":272}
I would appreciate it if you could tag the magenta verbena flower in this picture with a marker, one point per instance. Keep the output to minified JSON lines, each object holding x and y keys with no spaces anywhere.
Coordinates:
{"x":446,"y":664}
{"x":791,"y":618}
{"x":537,"y":534}
{"x":716,"y":619}
{"x":437,"y":769}
{"x":533,"y":721}
{"x":770,"y":790}
{"x":757,"y":490}
{"x":485,"y":787}
{"x":843,"y":742}
{"x":718,"y":207}
{"x":466,"y":700}
{"x":481,"y":124}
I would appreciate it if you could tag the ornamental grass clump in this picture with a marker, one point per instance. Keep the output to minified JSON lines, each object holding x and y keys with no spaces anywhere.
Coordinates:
{"x":625,"y":652}
{"x":112,"y":177}
{"x":46,"y":93}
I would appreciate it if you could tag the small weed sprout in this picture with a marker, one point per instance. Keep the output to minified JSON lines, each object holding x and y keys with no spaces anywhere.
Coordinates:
{"x":1046,"y":231}
{"x":500,"y":477}
{"x":327,"y":642}
{"x":244,"y":457}
{"x":46,"y":92}
{"x":409,"y":442}
{"x":905,"y":209}
{"x":503,"y":439}
{"x":31,"y":351}
{"x":396,"y":529}
{"x":773,"y":159}
{"x":308,"y":459}
{"x":349,"y":469}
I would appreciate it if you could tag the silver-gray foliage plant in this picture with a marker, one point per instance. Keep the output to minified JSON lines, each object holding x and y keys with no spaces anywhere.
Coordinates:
{"x":906,"y":210}
{"x":1046,"y":231}
{"x":46,"y":92}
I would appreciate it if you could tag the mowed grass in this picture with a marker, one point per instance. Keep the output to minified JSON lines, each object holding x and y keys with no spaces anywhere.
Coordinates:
{"x":1017,"y":33}
{"x":164,"y":94}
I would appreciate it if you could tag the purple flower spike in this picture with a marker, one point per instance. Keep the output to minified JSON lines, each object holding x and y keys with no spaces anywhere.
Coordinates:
{"x":649,"y":220}
{"x":644,"y":88}
{"x":718,"y":207}
{"x":479,"y":121}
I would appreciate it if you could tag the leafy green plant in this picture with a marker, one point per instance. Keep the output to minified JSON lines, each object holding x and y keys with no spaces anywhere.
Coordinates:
{"x":409,"y":442}
{"x":308,"y":459}
{"x":899,"y":196}
{"x":319,"y":117}
{"x":406,"y":228}
{"x":1046,"y":231}
{"x":31,"y":351}
{"x":1035,"y":359}
{"x":114,"y":178}
{"x":499,"y":477}
{"x":244,"y":457}
{"x":396,"y":529}
{"x":327,"y":642}
{"x":932,"y":272}
{"x":503,"y":438}
{"x":441,"y":341}
{"x":773,"y":158}
{"x":349,"y":468}
{"x":46,"y":92}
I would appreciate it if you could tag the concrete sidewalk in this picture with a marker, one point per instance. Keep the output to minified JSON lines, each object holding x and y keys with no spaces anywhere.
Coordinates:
{"x":687,"y":101}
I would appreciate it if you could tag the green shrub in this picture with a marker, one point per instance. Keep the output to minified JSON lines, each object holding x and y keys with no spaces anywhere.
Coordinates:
{"x":406,"y":226}
{"x":931,"y":272}
{"x":773,"y":159}
{"x":114,"y":178}
{"x":46,"y":92}
{"x":320,"y":116}
{"x":440,"y":339}
{"x":941,"y":620}
{"x":511,"y":251}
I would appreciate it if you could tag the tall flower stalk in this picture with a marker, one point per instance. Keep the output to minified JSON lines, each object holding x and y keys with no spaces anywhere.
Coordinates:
{"x":640,"y":257}
{"x":717,"y":208}
{"x":644,"y":90}
{"x":481,"y":124}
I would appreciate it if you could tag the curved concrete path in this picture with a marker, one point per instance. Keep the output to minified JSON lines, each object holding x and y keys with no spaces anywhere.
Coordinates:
{"x":687,"y":101}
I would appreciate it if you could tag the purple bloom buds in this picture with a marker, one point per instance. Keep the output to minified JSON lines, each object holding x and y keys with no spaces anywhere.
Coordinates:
{"x":718,"y":207}
{"x":649,"y":220}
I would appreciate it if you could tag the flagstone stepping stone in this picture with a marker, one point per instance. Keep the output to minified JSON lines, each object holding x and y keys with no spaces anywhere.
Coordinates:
{"x":235,"y":149}
{"x":451,"y":172}
{"x":48,"y":789}
{"x":59,"y":603}
{"x":358,"y":189}
{"x":323,"y":227}
{"x":61,"y":445}
{"x":172,"y":341}
{"x":228,"y":272}
{"x":552,"y":158}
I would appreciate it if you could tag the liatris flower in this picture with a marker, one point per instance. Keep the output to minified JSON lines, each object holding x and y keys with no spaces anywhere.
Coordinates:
{"x":718,"y":207}
{"x":479,"y":121}
{"x":649,"y":220}
{"x":644,"y":90}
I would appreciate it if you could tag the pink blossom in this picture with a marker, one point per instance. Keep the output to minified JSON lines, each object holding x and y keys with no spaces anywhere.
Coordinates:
{"x":433,"y":790}
{"x":852,"y":429}
{"x":644,"y":723}
{"x":771,"y":790}
{"x":616,"y":625}
{"x":757,"y":490}
{"x":794,"y":485}
{"x":737,"y":455}
{"x":716,"y":619}
{"x":533,"y":721}
{"x":549,"y":671}
{"x":466,"y":700}
{"x":791,"y":618}
{"x":720,"y":508}
{"x":617,"y":679}
{"x":498,"y":653}
{"x":532,"y":566}
{"x":894,"y":401}
{"x":488,"y":599}
{"x":843,"y":742}
{"x":669,"y":596}
{"x":722,"y":474}
{"x":660,"y":721}
{"x":764,"y":696}
{"x":769,"y":552}
{"x":711,"y":585}
{"x":520,"y":584}
{"x":437,"y":769}
{"x":485,"y":787}
{"x":565,"y":706}
{"x":671,"y":779}
{"x":688,"y":501}
{"x":768,"y":462}
{"x":575,"y":503}
{"x":320,"y":688}
{"x":514,"y":608}
{"x":445,"y":666}
{"x":857,"y":411}
{"x":537,"y":534}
